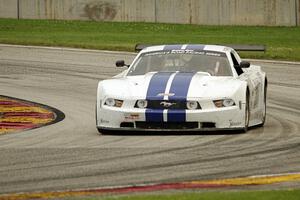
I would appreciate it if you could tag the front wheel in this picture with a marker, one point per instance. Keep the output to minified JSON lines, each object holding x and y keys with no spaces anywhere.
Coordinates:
{"x":247,"y":114}
{"x":264,"y":109}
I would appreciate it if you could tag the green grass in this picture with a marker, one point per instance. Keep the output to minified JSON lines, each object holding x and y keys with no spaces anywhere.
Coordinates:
{"x":244,"y":195}
{"x":282,"y":42}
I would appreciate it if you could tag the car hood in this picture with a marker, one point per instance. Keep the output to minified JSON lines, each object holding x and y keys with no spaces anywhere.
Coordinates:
{"x":175,"y":86}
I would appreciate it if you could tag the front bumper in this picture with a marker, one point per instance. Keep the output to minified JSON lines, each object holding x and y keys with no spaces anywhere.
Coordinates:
{"x":230,"y":118}
{"x":170,"y":130}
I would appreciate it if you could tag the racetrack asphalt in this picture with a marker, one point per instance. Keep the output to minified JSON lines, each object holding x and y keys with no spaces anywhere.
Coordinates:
{"x":71,"y":155}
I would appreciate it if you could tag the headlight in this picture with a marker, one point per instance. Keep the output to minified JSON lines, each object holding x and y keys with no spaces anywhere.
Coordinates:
{"x":192,"y":105}
{"x":113,"y":102}
{"x":228,"y":102}
{"x":224,"y":103}
{"x":142,"y":103}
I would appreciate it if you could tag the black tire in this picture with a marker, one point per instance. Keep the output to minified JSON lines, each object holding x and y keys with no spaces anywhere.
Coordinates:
{"x":247,"y":113}
{"x":265,"y":109}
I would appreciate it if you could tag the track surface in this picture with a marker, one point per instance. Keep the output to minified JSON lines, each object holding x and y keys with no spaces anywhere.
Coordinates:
{"x":71,"y":155}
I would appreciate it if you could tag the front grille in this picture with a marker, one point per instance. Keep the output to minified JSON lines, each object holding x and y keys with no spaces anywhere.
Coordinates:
{"x":160,"y":104}
{"x":167,"y":125}
{"x":167,"y":104}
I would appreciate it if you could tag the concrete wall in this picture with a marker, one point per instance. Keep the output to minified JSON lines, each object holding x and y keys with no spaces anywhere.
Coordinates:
{"x":298,"y":12}
{"x":210,"y":12}
{"x":8,"y":9}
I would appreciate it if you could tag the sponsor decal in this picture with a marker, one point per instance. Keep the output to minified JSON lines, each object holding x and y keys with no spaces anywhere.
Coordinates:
{"x":213,"y":54}
{"x":234,"y":123}
{"x":185,"y":51}
{"x":182,"y":51}
{"x":104,"y":121}
{"x":132,"y":116}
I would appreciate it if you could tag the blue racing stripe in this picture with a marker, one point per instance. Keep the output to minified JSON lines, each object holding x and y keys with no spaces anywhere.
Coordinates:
{"x":176,"y":116}
{"x":172,"y":47}
{"x":157,"y":85}
{"x":180,"y":87}
{"x":154,"y":115}
{"x":195,"y":47}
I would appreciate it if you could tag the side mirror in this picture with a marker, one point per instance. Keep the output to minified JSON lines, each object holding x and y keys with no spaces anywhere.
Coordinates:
{"x":244,"y":64}
{"x":121,"y":63}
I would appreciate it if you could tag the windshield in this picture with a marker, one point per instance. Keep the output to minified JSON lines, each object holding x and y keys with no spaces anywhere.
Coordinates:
{"x":215,"y":63}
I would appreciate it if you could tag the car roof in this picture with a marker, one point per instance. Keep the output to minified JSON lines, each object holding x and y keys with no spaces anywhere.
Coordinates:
{"x":195,"y":47}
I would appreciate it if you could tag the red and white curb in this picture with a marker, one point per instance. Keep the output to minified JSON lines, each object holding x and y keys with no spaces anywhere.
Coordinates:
{"x":18,"y":115}
{"x":205,"y":184}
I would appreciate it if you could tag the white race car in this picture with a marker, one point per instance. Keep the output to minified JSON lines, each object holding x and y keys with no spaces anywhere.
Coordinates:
{"x":183,"y":88}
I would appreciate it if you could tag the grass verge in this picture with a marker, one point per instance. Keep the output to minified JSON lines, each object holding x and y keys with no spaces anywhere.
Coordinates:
{"x":282,"y":42}
{"x":244,"y":195}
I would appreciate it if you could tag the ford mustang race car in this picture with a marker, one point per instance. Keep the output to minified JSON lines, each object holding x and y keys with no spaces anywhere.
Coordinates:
{"x":183,"y":88}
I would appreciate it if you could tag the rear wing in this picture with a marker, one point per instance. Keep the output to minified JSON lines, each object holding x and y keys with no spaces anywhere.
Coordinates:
{"x":237,"y":47}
